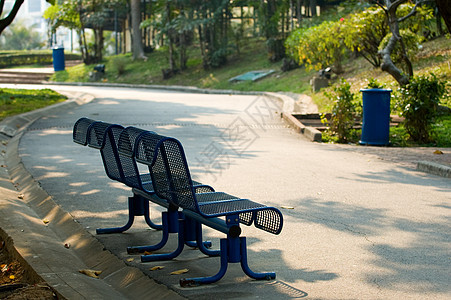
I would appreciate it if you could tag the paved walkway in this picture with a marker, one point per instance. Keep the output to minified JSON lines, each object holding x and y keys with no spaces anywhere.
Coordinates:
{"x":360,"y":222}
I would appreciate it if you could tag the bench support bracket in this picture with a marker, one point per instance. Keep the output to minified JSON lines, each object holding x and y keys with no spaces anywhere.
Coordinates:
{"x":137,"y":206}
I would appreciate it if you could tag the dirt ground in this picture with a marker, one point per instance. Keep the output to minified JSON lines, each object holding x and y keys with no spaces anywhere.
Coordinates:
{"x":17,"y":279}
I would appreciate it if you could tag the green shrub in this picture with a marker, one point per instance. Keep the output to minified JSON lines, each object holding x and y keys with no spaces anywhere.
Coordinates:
{"x":374,"y":84}
{"x":119,"y":64}
{"x":418,"y":102}
{"x":20,"y":58}
{"x":343,"y":111}
{"x":319,"y":46}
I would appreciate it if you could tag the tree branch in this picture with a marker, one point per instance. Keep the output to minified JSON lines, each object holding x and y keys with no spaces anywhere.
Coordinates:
{"x":411,"y":13}
{"x":12,"y":14}
{"x":2,"y":3}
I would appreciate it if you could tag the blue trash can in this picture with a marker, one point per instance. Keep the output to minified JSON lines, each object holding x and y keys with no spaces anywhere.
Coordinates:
{"x":58,"y":58}
{"x":376,"y":117}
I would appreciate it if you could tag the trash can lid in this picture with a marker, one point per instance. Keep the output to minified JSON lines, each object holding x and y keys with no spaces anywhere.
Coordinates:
{"x":375,"y":90}
{"x":57,"y":47}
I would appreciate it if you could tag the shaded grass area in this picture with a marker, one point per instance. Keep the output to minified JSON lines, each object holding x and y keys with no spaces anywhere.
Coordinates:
{"x":440,"y":134}
{"x":17,"y":101}
{"x":398,"y":136}
{"x":252,"y":56}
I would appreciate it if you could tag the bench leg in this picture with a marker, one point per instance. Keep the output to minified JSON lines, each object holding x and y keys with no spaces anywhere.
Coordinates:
{"x":137,"y":206}
{"x":169,"y":256}
{"x":164,"y":239}
{"x":190,"y":282}
{"x":202,"y":245}
{"x":245,"y":266}
{"x":233,"y":250}
{"x":193,"y":237}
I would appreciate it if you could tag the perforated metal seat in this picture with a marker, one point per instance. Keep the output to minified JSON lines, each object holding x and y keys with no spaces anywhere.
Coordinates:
{"x":172,"y":181}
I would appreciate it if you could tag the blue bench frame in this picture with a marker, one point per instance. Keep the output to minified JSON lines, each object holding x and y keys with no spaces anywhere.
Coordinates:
{"x":116,"y":145}
{"x":171,"y":179}
{"x":169,"y":184}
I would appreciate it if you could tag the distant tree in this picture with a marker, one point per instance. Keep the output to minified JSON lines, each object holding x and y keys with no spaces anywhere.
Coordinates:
{"x":19,"y":36}
{"x":5,"y":22}
{"x":82,"y":14}
{"x":137,"y":45}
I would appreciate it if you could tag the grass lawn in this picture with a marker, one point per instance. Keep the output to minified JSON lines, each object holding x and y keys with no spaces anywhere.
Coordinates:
{"x":17,"y":101}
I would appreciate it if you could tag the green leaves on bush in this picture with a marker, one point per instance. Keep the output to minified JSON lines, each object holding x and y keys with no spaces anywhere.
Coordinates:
{"x":364,"y":32}
{"x":343,"y":111}
{"x":418,"y":103}
{"x":318,"y":47}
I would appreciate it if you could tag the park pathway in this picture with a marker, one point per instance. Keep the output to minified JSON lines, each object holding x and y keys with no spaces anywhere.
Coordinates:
{"x":356,"y":226}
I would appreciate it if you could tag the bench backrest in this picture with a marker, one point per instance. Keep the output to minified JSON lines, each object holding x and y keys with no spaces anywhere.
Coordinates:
{"x":80,"y":131}
{"x":104,"y":136}
{"x":126,"y":150}
{"x":168,"y":168}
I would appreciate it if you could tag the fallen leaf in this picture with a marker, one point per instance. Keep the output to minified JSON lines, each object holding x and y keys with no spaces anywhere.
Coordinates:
{"x":12,"y":277}
{"x":91,"y":273}
{"x":46,"y":221}
{"x":178,"y":272}
{"x":156,"y":268}
{"x":130,"y":259}
{"x":4,"y":268}
{"x":147,"y":253}
{"x":287,"y":207}
{"x":438,"y":152}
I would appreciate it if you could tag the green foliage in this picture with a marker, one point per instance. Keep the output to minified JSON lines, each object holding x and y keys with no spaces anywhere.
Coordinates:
{"x":343,"y":111}
{"x":418,"y":104}
{"x":411,"y":41}
{"x":17,"y":101}
{"x":119,"y":64}
{"x":374,"y":84}
{"x":21,"y":58}
{"x":18,"y":36}
{"x":440,"y":131}
{"x":319,"y":46}
{"x":364,"y":33}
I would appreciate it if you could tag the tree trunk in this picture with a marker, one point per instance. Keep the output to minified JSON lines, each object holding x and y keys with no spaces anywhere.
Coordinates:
{"x":137,"y":45}
{"x":387,"y":63}
{"x":444,"y":8}
{"x":5,"y":22}
{"x":172,"y":65}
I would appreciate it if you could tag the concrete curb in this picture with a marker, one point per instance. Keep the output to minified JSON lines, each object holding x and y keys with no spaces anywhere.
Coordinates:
{"x":434,"y":168}
{"x":24,"y":207}
{"x":311,"y":133}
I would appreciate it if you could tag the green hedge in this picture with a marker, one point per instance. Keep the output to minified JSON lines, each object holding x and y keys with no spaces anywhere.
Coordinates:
{"x":15,"y":58}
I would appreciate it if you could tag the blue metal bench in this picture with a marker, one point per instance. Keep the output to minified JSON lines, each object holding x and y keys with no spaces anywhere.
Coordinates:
{"x":143,"y":190}
{"x":172,"y":181}
{"x":116,"y":145}
{"x":104,"y":136}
